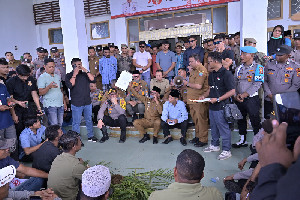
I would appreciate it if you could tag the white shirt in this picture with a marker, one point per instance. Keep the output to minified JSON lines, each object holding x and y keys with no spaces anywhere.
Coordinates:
{"x":142,"y":59}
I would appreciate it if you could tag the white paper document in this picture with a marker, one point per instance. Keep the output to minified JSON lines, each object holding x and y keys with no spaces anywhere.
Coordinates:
{"x":124,"y":80}
{"x":199,"y":101}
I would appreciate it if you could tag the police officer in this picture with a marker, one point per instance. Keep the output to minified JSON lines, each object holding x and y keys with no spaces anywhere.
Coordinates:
{"x":94,"y":66}
{"x":23,"y":90}
{"x":248,"y":79}
{"x":99,"y":51}
{"x":153,"y":112}
{"x":120,"y":93}
{"x":295,"y":54}
{"x":116,"y":111}
{"x":259,"y":57}
{"x":39,"y":61}
{"x":133,"y":105}
{"x":60,"y":65}
{"x":197,"y":86}
{"x":281,"y":75}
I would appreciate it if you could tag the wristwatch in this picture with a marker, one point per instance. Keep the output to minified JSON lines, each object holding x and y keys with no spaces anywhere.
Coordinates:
{"x":218,"y":100}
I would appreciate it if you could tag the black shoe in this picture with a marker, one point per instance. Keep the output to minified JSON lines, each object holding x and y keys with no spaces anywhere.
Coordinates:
{"x":134,"y":117}
{"x":104,"y":138}
{"x":200,"y":144}
{"x":121,"y":141}
{"x":145,"y":138}
{"x":183,"y":141}
{"x":93,"y":139}
{"x":239,"y":145}
{"x":232,"y":186}
{"x":141,"y":116}
{"x":155,"y":141}
{"x":168,"y":140}
{"x":194,"y":140}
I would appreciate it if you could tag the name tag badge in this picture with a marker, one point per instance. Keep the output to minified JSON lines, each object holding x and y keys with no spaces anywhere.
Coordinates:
{"x":29,"y":83}
{"x":286,"y":80}
{"x":200,"y":74}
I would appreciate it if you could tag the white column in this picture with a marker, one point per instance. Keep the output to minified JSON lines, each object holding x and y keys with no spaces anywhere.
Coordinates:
{"x":234,"y":22}
{"x":74,"y":31}
{"x":254,"y":22}
{"x":121,"y":31}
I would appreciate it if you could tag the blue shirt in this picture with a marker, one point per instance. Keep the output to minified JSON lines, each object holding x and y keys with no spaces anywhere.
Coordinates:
{"x":108,"y":69}
{"x":198,"y":50}
{"x":5,"y":117}
{"x":179,"y":63}
{"x":29,"y":139}
{"x":8,"y":161}
{"x":178,"y":111}
{"x":165,"y":61}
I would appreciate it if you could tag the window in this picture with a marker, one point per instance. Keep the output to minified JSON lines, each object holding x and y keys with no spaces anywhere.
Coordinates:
{"x":220,"y":20}
{"x":133,"y":30}
{"x":275,"y":9}
{"x":100,"y":30}
{"x":55,"y":36}
{"x":294,"y":7}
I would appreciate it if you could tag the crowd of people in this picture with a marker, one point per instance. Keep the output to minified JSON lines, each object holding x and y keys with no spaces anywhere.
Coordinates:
{"x":168,"y":90}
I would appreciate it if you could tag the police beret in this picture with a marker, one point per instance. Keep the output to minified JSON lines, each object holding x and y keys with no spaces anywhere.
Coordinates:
{"x":99,"y":48}
{"x":40,"y":50}
{"x":156,"y":89}
{"x":174,"y":93}
{"x":297,"y":35}
{"x":248,"y":49}
{"x":54,"y":50}
{"x":105,"y":48}
{"x":252,"y":40}
{"x":283,"y":50}
{"x":111,"y":45}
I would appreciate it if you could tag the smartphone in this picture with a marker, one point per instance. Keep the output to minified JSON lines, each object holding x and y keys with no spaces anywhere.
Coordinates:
{"x":34,"y":197}
{"x":287,"y":109}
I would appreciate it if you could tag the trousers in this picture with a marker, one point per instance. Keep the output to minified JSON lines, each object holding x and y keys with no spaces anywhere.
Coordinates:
{"x":166,"y":127}
{"x":143,"y":124}
{"x":199,"y":114}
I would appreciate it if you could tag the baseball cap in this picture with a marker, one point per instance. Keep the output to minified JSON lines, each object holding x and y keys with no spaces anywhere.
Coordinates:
{"x":297,"y":35}
{"x":7,"y":174}
{"x":96,"y":181}
{"x":7,"y":143}
{"x":283,"y":50}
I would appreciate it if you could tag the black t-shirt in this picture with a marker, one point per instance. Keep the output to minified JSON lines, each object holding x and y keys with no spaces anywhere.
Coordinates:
{"x":80,"y":92}
{"x":44,"y":156}
{"x":219,"y":82}
{"x":21,"y":90}
{"x":227,"y":54}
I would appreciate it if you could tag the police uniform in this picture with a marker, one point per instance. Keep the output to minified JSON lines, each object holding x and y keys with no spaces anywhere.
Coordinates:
{"x":99,"y":51}
{"x":13,"y":64}
{"x":96,"y":98}
{"x":152,"y":115}
{"x":94,"y":69}
{"x":280,"y":78}
{"x":248,"y":79}
{"x":199,"y":111}
{"x":21,"y":91}
{"x":38,"y":63}
{"x":295,"y":54}
{"x":120,"y":94}
{"x":116,"y":117}
{"x":139,"y":107}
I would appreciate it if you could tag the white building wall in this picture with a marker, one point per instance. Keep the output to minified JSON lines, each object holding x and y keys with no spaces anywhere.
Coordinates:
{"x":234,"y":20}
{"x":17,"y":27}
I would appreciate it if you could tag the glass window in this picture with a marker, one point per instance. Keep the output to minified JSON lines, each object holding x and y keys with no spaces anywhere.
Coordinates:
{"x":143,"y":19}
{"x":55,"y":36}
{"x":164,"y":16}
{"x":274,"y":9}
{"x":295,"y":6}
{"x":207,"y":13}
{"x":100,"y":30}
{"x":220,"y":20}
{"x":182,"y":14}
{"x":133,"y":25}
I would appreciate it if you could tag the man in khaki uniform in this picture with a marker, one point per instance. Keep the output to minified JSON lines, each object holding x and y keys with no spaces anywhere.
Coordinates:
{"x":197,"y":86}
{"x":153,"y":110}
{"x":159,"y":82}
{"x":188,"y":172}
{"x":94,"y":66}
{"x":12,"y":63}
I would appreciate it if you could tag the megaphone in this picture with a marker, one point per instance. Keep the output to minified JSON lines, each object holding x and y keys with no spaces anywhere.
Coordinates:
{"x":178,"y":81}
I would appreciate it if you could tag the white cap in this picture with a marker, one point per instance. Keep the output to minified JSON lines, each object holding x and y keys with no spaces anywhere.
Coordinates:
{"x":7,"y":174}
{"x":96,"y":181}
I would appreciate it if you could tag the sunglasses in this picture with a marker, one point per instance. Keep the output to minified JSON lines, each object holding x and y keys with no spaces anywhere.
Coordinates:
{"x":135,"y":76}
{"x":190,"y":41}
{"x":142,"y":46}
{"x":218,"y":42}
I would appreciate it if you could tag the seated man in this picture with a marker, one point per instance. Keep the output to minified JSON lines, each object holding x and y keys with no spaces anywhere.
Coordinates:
{"x":188,"y":172}
{"x":31,"y":138}
{"x":133,"y":105}
{"x":136,"y":76}
{"x":116,"y":111}
{"x":96,"y":98}
{"x":174,"y":114}
{"x":95,"y":183}
{"x":159,"y":82}
{"x":66,"y":170}
{"x":152,"y":114}
{"x":120,"y":93}
{"x":37,"y":176}
{"x":44,"y":156}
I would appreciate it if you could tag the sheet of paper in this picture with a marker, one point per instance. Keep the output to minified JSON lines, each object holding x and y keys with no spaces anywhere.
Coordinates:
{"x":124,"y":80}
{"x":199,"y":101}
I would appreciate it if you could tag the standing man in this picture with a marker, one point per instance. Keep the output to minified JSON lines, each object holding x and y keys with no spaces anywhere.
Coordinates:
{"x":39,"y":61}
{"x":236,"y":49}
{"x":193,"y":49}
{"x":124,"y":61}
{"x":4,"y":70}
{"x":281,"y":75}
{"x":154,"y":66}
{"x":227,"y":55}
{"x":142,"y":60}
{"x":174,"y":114}
{"x":152,"y":115}
{"x":12,"y":63}
{"x":197,"y":86}
{"x":107,"y":68}
{"x":259,"y":57}
{"x":248,"y":79}
{"x":50,"y":87}
{"x":78,"y":81}
{"x":179,"y":59}
{"x":210,"y":48}
{"x":221,"y":85}
{"x":23,"y":90}
{"x":94,"y":67}
{"x":295,"y":54}
{"x":99,"y":51}
{"x":60,"y":64}
{"x":166,"y":60}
